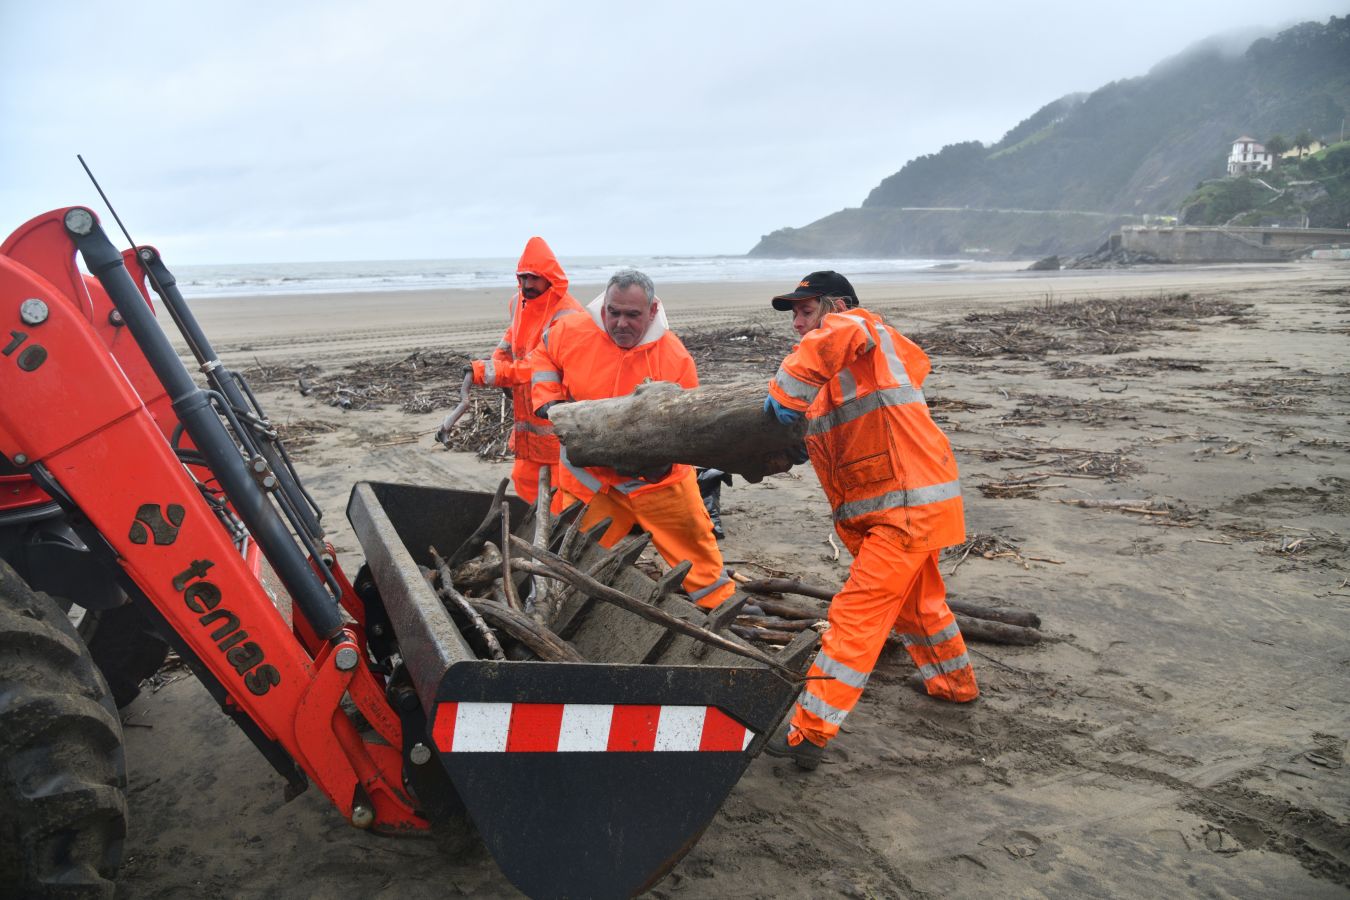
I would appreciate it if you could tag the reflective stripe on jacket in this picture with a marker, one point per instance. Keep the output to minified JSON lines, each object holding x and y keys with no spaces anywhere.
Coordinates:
{"x":509,"y":367}
{"x":577,"y":360}
{"x":880,"y":457}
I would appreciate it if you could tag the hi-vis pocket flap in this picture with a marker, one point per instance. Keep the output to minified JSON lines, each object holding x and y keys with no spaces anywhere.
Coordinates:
{"x":868,"y":470}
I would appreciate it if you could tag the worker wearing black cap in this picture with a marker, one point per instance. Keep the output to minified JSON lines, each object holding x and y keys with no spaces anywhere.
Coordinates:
{"x":892,"y":483}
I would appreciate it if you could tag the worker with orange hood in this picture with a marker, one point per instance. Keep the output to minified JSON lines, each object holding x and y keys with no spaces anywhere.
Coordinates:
{"x":892,"y":483}
{"x":542,"y":301}
{"x":623,"y":341}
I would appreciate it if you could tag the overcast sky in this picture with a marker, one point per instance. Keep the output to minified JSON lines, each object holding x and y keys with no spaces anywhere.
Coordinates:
{"x":250,"y":132}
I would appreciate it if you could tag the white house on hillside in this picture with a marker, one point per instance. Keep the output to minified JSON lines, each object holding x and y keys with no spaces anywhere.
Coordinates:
{"x":1248,"y":156}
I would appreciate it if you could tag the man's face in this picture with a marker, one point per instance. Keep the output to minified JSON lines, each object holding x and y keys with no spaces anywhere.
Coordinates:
{"x":806,"y":315}
{"x":532,"y":285}
{"x":627,"y":314}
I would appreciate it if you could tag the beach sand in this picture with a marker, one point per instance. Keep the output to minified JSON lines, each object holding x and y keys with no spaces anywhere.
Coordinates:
{"x":1182,"y":731}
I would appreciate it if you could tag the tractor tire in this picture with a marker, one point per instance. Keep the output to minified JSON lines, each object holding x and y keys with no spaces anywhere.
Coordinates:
{"x":126,"y":650}
{"x":62,"y":769}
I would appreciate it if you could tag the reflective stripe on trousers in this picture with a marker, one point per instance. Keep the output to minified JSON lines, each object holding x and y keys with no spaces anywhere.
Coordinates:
{"x":699,"y":594}
{"x":835,"y":669}
{"x":824,"y":711}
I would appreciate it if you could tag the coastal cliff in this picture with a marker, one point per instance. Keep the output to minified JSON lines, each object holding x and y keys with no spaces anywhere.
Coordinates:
{"x":1084,"y":164}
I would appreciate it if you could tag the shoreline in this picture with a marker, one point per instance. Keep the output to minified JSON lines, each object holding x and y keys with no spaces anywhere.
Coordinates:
{"x":320,"y":327}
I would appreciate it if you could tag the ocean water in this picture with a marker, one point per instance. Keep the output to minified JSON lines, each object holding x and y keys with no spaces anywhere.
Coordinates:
{"x":421,"y":274}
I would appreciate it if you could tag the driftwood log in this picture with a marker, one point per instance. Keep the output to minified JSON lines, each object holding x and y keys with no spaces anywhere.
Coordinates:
{"x":997,"y":632}
{"x":716,"y":426}
{"x":963,"y":608}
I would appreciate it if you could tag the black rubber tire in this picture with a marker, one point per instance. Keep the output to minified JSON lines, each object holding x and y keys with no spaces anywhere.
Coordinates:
{"x":62,"y":769}
{"x":126,"y":650}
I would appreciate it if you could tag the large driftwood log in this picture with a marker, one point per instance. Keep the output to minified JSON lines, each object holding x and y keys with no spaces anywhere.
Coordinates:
{"x":716,"y":426}
{"x":1019,"y":617}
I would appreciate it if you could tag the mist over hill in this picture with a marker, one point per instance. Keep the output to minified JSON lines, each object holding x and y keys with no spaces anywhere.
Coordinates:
{"x":1083,"y":164}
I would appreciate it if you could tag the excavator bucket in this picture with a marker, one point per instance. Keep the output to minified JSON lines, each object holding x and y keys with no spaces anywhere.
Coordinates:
{"x":584,"y":779}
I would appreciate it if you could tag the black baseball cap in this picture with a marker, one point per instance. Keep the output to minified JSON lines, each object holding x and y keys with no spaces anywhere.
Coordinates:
{"x":818,"y":284}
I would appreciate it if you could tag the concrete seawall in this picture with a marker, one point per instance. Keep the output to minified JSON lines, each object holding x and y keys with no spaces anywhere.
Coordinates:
{"x":1199,"y":245}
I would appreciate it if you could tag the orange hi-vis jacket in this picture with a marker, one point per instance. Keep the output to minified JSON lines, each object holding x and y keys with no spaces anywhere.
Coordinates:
{"x":880,"y":457}
{"x":509,"y":367}
{"x":578,"y":360}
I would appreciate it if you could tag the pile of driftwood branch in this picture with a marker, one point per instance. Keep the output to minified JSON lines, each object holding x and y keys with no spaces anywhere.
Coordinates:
{"x":756,"y":345}
{"x":1036,"y":409}
{"x":507,"y":591}
{"x":777,"y":618}
{"x":1107,"y":326}
{"x":421,"y":382}
{"x":485,"y":426}
{"x":301,"y":433}
{"x":1119,"y":315}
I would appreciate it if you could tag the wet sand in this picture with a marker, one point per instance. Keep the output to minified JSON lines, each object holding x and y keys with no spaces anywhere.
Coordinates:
{"x":1182,"y":731}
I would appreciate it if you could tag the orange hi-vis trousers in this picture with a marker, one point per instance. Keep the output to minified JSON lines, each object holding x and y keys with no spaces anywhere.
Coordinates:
{"x":525,"y":479}
{"x":680,"y":529}
{"x":888,"y":589}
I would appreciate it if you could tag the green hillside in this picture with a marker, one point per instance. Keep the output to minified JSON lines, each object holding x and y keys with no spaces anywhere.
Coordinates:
{"x":1131,"y":148}
{"x":1313,"y":192}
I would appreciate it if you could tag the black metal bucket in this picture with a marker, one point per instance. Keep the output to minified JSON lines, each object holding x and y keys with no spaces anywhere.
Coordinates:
{"x":584,"y":779}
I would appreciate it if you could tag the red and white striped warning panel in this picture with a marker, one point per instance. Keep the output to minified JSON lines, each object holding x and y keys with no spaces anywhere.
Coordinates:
{"x":584,"y":728}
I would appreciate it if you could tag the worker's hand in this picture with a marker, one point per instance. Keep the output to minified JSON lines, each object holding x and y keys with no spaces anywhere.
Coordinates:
{"x":543,"y":411}
{"x":797,"y":454}
{"x":443,"y":433}
{"x":652,"y":476}
{"x":780,"y":412}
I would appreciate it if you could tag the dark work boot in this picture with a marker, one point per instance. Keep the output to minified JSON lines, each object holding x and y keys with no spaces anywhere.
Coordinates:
{"x":805,"y":754}
{"x":710,"y":483}
{"x":919,"y":686}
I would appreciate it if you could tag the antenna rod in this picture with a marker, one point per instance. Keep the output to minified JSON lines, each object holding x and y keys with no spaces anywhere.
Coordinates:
{"x":106,"y":201}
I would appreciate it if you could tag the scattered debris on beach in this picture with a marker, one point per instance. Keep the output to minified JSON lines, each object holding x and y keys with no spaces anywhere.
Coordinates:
{"x":753,"y":344}
{"x":485,"y":427}
{"x":1037,"y":409}
{"x":421,"y":383}
{"x":301,"y":433}
{"x":986,"y":545}
{"x":1078,"y":327}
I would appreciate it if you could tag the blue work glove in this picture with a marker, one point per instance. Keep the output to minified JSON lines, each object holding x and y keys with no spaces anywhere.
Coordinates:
{"x":780,"y":412}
